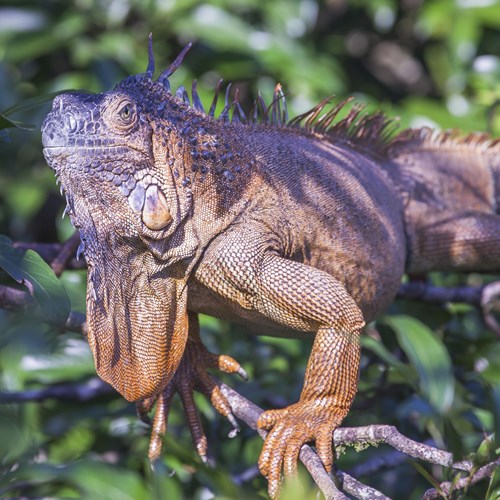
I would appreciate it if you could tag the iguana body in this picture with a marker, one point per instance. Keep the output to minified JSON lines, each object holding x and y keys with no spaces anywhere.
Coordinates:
{"x":287,"y":229}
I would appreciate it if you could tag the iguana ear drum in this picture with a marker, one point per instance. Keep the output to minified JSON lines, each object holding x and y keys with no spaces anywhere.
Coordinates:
{"x":155,"y":213}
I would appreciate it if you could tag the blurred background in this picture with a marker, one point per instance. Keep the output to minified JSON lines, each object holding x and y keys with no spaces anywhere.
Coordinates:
{"x":433,"y":371}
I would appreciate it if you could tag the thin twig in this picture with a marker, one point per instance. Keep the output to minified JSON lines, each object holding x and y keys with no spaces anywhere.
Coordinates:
{"x":65,"y":254}
{"x":447,"y":488}
{"x":483,"y":297}
{"x":431,"y":294}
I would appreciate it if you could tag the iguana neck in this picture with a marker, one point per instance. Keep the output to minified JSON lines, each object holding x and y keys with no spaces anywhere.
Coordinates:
{"x":214,"y":173}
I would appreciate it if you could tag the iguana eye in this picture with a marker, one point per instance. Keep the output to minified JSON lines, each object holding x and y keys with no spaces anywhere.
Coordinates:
{"x":126,"y":113}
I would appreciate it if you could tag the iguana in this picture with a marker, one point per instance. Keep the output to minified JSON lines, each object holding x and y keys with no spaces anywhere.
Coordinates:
{"x":299,"y":227}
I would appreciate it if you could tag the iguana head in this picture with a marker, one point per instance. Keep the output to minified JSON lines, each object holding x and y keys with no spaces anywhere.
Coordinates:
{"x":128,"y":145}
{"x":119,"y":165}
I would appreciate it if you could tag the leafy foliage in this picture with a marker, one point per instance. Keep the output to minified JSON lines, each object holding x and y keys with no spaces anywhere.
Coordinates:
{"x":433,"y":372}
{"x":29,"y":269}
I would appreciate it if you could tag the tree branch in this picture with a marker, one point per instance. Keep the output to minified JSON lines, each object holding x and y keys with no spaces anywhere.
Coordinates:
{"x":418,"y":290}
{"x":60,"y":258}
{"x":332,"y":488}
{"x":484,"y":297}
{"x":388,"y":434}
{"x":65,"y":254}
{"x":13,"y":299}
{"x":367,"y":435}
{"x":249,"y":413}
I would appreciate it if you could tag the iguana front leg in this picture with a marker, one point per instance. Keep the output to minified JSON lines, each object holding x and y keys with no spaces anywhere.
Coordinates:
{"x":191,"y":375}
{"x":307,"y":299}
{"x":329,"y":388}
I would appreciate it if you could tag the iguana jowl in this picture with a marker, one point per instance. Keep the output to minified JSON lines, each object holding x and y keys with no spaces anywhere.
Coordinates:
{"x":289,"y":228}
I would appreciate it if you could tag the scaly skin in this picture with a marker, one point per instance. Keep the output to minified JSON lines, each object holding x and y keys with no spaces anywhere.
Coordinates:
{"x":287,"y":230}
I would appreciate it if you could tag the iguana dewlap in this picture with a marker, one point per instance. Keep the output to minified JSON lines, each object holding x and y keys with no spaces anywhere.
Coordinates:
{"x":289,"y":228}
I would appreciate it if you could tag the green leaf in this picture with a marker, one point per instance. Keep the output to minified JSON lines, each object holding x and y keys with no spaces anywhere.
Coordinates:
{"x":495,"y":400}
{"x":39,"y":100}
{"x":429,"y":356}
{"x":28,"y":268}
{"x":427,"y":476}
{"x":380,"y":350}
{"x":7,"y":123}
{"x":28,"y":105}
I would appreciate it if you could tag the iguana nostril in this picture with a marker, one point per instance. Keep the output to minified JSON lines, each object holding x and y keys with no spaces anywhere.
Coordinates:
{"x":57,"y":104}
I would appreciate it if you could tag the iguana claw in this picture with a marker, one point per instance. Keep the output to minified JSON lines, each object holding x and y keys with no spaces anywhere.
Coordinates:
{"x":289,"y":429}
{"x":191,"y":375}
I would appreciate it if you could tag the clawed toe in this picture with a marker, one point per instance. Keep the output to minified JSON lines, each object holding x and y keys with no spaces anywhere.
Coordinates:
{"x":289,"y":429}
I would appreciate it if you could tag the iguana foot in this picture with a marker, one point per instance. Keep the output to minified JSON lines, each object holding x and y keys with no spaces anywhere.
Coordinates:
{"x":191,"y":375}
{"x":290,"y":428}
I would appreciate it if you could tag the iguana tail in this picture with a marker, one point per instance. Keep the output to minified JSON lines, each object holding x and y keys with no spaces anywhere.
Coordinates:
{"x":450,"y":184}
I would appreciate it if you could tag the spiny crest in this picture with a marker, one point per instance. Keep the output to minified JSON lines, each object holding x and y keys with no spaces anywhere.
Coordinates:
{"x":426,"y":137}
{"x":370,"y":130}
{"x":276,"y":113}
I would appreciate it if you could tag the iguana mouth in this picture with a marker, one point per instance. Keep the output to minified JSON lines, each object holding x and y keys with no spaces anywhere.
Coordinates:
{"x":67,"y":150}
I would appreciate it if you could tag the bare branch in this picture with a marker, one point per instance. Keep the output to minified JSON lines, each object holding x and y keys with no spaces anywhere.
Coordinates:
{"x":360,"y":490}
{"x":331,"y":489}
{"x":370,"y":435}
{"x":417,"y":290}
{"x":59,"y":256}
{"x":388,"y":434}
{"x":249,"y":413}
{"x":483,"y":297}
{"x":384,"y":460}
{"x":13,"y":299}
{"x":70,"y":392}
